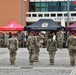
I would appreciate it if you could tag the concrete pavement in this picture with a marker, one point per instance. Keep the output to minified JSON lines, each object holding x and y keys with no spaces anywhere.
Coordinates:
{"x":22,"y":67}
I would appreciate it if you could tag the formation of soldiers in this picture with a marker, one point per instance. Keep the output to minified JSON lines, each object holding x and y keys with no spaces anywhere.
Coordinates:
{"x":34,"y":42}
{"x":51,"y":42}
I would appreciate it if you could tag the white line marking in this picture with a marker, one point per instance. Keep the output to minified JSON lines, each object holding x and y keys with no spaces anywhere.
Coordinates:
{"x":73,"y":72}
{"x":58,"y":68}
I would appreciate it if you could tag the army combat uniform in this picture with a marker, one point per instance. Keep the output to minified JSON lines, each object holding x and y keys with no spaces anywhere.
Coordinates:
{"x":31,"y":44}
{"x":13,"y":47}
{"x":60,"y":39}
{"x":71,"y":44}
{"x":51,"y":48}
{"x":37,"y":48}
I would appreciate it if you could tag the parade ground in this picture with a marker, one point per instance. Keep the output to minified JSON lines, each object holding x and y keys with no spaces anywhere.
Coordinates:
{"x":22,"y":67}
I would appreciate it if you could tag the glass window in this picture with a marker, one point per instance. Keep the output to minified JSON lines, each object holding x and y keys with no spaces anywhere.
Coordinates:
{"x":59,"y":15}
{"x":34,"y":15}
{"x":38,"y":9}
{"x":46,"y":15}
{"x":65,"y":15}
{"x":53,"y":15}
{"x":73,"y":14}
{"x":38,"y":4}
{"x":43,"y":4}
{"x":40,"y":15}
{"x":43,"y":9}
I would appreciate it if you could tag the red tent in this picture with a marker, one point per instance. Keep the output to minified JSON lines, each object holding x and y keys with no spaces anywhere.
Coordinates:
{"x":12,"y":26}
{"x":71,"y":27}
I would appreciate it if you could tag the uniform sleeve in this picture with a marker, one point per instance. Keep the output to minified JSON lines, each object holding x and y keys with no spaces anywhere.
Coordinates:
{"x":8,"y":44}
{"x":48,"y":43}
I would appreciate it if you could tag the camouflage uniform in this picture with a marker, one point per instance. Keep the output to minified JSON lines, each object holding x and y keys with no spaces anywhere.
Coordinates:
{"x":51,"y":48}
{"x":31,"y":46}
{"x":37,"y":48}
{"x":60,"y":39}
{"x":20,"y":38}
{"x":46,"y":37}
{"x":13,"y":47}
{"x":71,"y":44}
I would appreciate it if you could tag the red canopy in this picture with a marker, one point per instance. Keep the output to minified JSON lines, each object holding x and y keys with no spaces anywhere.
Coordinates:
{"x":13,"y":26}
{"x":71,"y":27}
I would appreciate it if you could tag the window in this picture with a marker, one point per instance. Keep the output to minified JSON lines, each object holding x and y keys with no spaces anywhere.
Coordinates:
{"x":40,"y":15}
{"x":34,"y":15}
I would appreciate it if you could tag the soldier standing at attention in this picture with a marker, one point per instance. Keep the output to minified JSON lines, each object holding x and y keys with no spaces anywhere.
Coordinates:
{"x":37,"y":47}
{"x":13,"y":47}
{"x":31,"y":46}
{"x":51,"y":48}
{"x":71,"y":44}
{"x":60,"y":38}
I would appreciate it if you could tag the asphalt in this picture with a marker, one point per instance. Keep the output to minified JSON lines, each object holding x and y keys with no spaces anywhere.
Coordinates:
{"x":61,"y":66}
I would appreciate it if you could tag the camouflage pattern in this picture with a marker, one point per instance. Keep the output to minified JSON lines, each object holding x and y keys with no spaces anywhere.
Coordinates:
{"x":46,"y":37}
{"x":41,"y":39}
{"x":31,"y":46}
{"x":60,"y":38}
{"x":37,"y":47}
{"x":51,"y":48}
{"x":20,"y":38}
{"x":13,"y":47}
{"x":71,"y":44}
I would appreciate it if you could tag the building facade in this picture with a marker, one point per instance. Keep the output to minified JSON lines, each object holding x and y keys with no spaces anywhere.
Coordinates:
{"x":26,"y":12}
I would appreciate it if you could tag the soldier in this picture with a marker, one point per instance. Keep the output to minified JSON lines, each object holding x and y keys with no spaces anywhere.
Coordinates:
{"x":71,"y":44}
{"x":46,"y":37}
{"x":20,"y":38}
{"x":13,"y":47}
{"x":31,"y":46}
{"x":51,"y":48}
{"x":60,"y":38}
{"x":37,"y":47}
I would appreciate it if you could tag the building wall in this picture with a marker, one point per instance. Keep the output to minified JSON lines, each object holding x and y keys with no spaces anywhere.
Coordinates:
{"x":10,"y":10}
{"x":26,"y":9}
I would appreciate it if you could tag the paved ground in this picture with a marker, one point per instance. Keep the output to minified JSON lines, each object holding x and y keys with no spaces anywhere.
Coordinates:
{"x":22,"y":67}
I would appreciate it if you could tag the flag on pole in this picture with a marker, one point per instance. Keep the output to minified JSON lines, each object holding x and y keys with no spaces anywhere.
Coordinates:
{"x":74,"y":2}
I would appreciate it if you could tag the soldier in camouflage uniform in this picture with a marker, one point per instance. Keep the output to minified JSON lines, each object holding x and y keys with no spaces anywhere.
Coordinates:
{"x":37,"y":47}
{"x":20,"y":38}
{"x":71,"y":44}
{"x":51,"y":48}
{"x":31,"y":46}
{"x":13,"y":47}
{"x":46,"y":37}
{"x":60,"y":38}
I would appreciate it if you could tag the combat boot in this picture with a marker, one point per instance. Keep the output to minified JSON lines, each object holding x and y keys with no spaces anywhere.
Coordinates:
{"x":11,"y":63}
{"x":72,"y":64}
{"x":36,"y":60}
{"x":51,"y":62}
{"x":31,"y":63}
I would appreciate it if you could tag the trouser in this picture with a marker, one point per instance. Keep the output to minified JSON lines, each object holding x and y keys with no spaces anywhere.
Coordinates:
{"x":72,"y":57}
{"x":37,"y":54}
{"x":32,"y":54}
{"x":12,"y":55}
{"x":60,"y":43}
{"x":51,"y":56}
